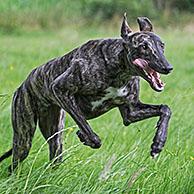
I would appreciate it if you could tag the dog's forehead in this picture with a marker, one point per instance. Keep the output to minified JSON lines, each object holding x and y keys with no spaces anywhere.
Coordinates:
{"x":145,"y":36}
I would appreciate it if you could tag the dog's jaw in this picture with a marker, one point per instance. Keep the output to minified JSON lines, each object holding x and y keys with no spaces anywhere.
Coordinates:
{"x":149,"y":74}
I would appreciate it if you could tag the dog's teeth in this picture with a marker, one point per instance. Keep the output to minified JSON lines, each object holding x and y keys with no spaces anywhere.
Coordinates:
{"x":158,"y":75}
{"x":146,"y":73}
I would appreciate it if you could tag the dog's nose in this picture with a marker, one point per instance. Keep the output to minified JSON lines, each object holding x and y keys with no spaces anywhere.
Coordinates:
{"x":167,"y":69}
{"x":170,"y":69}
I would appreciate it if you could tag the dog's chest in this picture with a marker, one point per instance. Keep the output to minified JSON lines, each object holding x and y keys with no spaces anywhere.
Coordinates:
{"x":112,"y":96}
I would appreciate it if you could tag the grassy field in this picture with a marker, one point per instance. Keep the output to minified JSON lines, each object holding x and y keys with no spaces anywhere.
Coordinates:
{"x":122,"y":164}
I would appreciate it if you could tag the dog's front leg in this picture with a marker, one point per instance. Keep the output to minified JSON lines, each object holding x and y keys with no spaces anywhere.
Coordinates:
{"x":64,"y":89}
{"x":139,"y":111}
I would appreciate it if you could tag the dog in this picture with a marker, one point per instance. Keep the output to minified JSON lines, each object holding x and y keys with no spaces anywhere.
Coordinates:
{"x":87,"y":82}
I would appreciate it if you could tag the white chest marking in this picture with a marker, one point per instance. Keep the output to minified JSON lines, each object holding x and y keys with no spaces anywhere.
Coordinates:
{"x":111,"y":93}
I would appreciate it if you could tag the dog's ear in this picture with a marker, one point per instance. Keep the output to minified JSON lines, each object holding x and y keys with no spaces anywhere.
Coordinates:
{"x":144,"y":24}
{"x":125,"y":29}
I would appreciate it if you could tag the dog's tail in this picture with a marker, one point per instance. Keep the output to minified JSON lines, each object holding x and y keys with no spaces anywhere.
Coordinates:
{"x":6,"y":155}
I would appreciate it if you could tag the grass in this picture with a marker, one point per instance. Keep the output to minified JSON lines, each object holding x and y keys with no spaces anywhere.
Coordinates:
{"x":52,"y":14}
{"x":122,"y":164}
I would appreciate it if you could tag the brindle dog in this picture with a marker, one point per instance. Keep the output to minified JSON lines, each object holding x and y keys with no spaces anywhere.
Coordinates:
{"x":86,"y":83}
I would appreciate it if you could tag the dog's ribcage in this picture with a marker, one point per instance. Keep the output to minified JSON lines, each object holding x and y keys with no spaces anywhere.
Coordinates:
{"x":100,"y":76}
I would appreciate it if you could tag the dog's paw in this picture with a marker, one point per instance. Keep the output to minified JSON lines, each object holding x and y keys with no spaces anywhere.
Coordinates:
{"x":156,"y":148}
{"x":93,"y":140}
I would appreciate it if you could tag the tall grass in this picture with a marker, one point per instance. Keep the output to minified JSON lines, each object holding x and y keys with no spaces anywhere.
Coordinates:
{"x":36,"y":14}
{"x":52,"y":14}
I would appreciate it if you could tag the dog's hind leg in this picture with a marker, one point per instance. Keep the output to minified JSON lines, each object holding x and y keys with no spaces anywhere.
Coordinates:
{"x":51,"y":122}
{"x":24,"y":124}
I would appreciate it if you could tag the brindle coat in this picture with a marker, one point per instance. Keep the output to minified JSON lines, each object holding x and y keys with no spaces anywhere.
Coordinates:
{"x":86,"y":82}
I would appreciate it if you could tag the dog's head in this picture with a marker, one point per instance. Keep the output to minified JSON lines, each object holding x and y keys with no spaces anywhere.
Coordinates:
{"x":145,"y":52}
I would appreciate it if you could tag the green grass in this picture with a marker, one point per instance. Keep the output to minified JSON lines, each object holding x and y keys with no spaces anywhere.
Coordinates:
{"x":125,"y":150}
{"x":51,"y":14}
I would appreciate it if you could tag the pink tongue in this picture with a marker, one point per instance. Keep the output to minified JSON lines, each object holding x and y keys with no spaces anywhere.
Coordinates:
{"x":152,"y":74}
{"x":140,"y":62}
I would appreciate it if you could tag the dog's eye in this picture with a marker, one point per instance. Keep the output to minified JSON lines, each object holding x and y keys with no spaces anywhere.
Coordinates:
{"x":145,"y":46}
{"x":162,"y":45}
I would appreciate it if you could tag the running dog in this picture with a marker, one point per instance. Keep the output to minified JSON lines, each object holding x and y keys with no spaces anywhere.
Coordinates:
{"x":87,"y":82}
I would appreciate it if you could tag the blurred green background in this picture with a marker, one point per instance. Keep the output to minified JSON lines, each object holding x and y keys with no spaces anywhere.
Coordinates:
{"x":17,"y":14}
{"x":34,"y":31}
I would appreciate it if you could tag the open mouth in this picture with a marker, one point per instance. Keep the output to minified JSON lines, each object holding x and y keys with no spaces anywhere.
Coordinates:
{"x":152,"y":76}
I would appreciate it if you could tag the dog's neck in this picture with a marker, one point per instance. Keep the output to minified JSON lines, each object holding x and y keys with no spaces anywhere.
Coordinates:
{"x":126,"y":63}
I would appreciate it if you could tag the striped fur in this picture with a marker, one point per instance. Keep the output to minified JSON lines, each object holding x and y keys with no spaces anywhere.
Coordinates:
{"x":86,"y":83}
